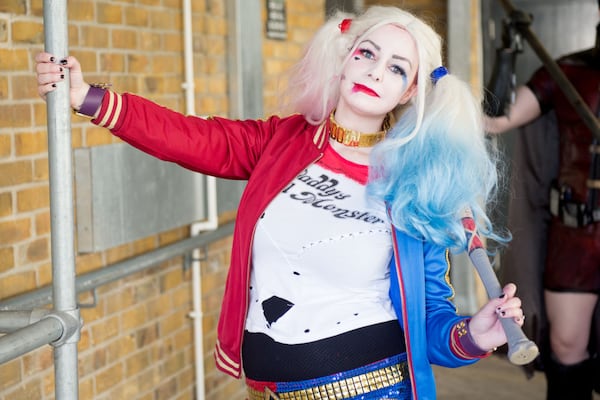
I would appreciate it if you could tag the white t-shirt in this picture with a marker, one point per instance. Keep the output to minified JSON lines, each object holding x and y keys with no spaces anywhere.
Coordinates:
{"x":321,"y":256}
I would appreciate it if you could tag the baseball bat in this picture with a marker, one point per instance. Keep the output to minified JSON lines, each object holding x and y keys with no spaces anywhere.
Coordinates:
{"x":521,"y":350}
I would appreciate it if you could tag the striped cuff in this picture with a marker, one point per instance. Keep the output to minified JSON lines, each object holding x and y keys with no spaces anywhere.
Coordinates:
{"x":110,"y":110}
{"x":462,"y":343}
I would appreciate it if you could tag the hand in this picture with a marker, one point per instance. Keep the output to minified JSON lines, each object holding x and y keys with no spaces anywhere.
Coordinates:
{"x":51,"y":72}
{"x":485,"y":327}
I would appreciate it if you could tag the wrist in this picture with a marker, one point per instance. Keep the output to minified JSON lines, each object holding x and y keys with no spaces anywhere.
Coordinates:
{"x":463,"y":344}
{"x":79,"y":97}
{"x":470,"y":343}
{"x":92,"y":100}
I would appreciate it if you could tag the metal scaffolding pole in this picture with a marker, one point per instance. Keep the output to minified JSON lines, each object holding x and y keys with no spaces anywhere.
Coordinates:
{"x":11,"y":321}
{"x":29,"y":338}
{"x":32,"y":328}
{"x":61,"y":203}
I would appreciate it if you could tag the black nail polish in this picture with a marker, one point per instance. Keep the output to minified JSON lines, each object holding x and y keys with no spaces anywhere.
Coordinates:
{"x":54,"y":85}
{"x":503,"y":313}
{"x":63,"y":62}
{"x":502,"y":296}
{"x":62,"y":77}
{"x":52,"y":59}
{"x":61,"y":69}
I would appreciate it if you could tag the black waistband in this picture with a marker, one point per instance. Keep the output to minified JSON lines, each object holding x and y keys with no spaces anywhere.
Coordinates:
{"x":266,"y":360}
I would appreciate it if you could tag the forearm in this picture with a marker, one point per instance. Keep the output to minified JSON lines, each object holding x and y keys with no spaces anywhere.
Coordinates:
{"x":525,"y":109}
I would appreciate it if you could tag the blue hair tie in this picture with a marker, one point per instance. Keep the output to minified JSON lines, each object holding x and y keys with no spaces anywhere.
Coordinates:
{"x":438,"y":73}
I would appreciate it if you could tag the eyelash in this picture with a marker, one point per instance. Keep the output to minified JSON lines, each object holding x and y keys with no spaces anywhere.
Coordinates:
{"x":370,"y":55}
{"x":366,"y":53}
{"x":398,"y":70}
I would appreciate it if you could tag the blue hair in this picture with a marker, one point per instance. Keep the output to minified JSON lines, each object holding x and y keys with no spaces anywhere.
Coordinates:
{"x":430,"y":179}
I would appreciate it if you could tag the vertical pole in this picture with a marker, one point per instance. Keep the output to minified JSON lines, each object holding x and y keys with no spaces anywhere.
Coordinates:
{"x":61,"y":202}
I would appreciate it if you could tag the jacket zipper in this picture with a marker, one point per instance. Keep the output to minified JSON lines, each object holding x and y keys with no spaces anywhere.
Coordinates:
{"x":404,"y":317}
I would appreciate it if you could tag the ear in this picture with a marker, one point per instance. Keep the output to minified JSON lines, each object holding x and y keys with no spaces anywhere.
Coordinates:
{"x":410,"y":92}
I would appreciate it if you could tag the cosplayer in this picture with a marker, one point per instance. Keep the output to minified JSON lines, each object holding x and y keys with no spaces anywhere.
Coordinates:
{"x":338,"y":283}
{"x":571,"y":278}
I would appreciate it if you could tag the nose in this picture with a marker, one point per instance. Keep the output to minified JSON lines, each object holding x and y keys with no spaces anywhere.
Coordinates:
{"x":374,"y":77}
{"x":376,"y":73}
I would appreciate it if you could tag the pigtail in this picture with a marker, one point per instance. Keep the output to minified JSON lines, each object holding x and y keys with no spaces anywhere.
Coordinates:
{"x":429,"y":180}
{"x":435,"y":162}
{"x":313,"y":83}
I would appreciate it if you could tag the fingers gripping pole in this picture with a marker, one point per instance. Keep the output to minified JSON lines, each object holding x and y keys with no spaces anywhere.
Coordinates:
{"x":521,"y":350}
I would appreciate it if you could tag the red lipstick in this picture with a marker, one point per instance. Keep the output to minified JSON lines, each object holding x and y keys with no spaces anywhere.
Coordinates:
{"x":364,"y":89}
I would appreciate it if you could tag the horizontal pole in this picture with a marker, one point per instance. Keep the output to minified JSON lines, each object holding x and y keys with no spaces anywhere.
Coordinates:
{"x":114,"y":272}
{"x":11,"y":321}
{"x":20,"y":342}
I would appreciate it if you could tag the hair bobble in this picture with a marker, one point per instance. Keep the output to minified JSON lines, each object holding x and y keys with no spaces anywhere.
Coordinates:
{"x":345,"y":25}
{"x":438,"y":74}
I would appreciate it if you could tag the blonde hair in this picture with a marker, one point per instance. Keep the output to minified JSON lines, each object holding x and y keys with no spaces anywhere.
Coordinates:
{"x":435,"y":162}
{"x":314,"y":81}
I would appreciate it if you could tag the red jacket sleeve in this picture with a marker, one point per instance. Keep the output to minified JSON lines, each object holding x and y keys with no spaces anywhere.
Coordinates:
{"x":214,"y":146}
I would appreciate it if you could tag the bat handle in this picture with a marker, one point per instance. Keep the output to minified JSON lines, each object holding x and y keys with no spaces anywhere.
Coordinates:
{"x":521,"y":350}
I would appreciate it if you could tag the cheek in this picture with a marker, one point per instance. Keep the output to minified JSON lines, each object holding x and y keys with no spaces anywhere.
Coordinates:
{"x":401,"y":86}
{"x":407,"y":94}
{"x":404,"y":82}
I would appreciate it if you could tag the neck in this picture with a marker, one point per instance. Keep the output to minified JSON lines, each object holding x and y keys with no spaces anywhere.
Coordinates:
{"x":357,"y":155}
{"x":348,"y":118}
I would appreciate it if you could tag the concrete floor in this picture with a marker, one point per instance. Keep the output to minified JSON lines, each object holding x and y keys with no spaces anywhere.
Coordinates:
{"x":493,"y":378}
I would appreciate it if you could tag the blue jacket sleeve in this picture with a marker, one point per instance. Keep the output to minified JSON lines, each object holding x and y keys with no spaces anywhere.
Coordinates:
{"x":440,"y":311}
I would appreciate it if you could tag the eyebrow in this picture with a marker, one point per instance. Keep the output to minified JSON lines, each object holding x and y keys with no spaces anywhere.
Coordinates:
{"x":397,"y":57}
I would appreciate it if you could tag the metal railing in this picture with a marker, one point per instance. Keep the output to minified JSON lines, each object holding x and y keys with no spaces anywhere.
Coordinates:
{"x":28,"y":326}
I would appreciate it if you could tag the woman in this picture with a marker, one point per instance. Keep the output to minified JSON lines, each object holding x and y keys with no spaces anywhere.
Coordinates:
{"x":571,"y":270}
{"x":338,"y":279}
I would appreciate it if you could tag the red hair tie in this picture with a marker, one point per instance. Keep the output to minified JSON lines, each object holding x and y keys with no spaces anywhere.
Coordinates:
{"x":345,"y":25}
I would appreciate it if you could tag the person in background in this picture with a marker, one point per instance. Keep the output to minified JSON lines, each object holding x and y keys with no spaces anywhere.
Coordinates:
{"x":338,"y":283}
{"x":572,"y":269}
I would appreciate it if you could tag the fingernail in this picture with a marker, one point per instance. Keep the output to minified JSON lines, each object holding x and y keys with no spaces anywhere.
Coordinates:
{"x":503,"y":313}
{"x":498,"y":309}
{"x":62,"y":77}
{"x":63,"y":61}
{"x":61,"y":70}
{"x":52,"y":59}
{"x":502,"y":296}
{"x":54,"y":85}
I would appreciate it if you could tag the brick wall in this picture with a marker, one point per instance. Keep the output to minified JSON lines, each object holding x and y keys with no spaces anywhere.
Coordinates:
{"x":137,"y":341}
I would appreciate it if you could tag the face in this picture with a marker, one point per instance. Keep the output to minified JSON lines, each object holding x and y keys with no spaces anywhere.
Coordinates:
{"x":380,"y":74}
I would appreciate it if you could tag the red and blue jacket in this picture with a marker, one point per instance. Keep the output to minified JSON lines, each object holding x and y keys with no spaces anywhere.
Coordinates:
{"x":269,"y":154}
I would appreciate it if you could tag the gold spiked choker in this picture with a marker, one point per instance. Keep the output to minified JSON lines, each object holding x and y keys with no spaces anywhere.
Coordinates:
{"x":349,"y":137}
